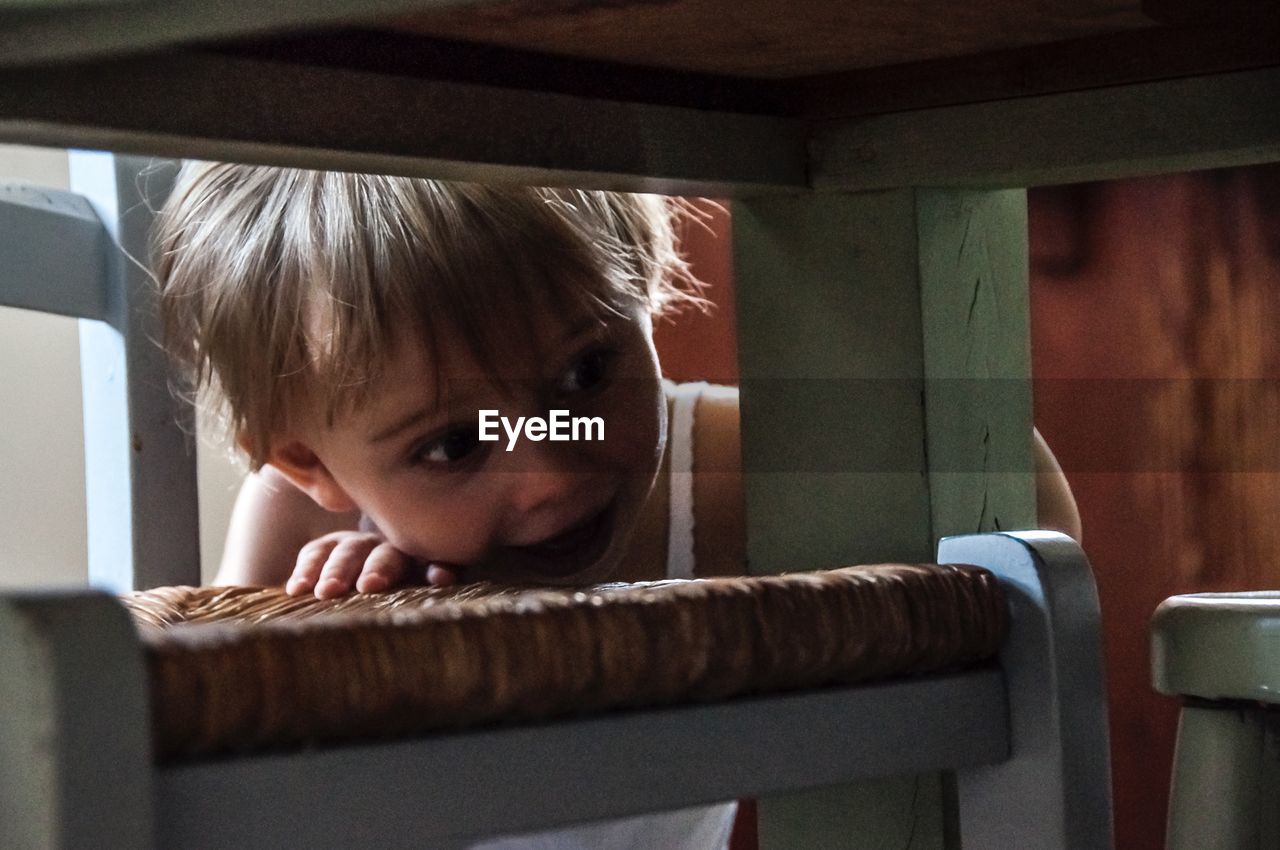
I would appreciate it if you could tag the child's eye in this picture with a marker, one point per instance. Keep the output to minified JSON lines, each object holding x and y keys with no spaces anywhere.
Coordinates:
{"x":452,"y":448}
{"x":589,"y":373}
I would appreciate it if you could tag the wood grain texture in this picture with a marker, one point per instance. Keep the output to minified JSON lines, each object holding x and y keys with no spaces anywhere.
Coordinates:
{"x":1156,"y":362}
{"x":1122,"y":58}
{"x":758,"y":38}
{"x":1206,"y":12}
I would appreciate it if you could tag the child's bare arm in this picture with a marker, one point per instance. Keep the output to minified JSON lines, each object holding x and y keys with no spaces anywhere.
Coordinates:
{"x":279,"y":536}
{"x":271,"y":524}
{"x":1055,"y":505}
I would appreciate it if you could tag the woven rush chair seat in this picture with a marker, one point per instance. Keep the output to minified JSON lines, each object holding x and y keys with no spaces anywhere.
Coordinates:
{"x":238,"y":669}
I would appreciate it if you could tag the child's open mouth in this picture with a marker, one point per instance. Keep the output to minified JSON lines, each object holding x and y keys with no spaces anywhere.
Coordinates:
{"x":569,"y":552}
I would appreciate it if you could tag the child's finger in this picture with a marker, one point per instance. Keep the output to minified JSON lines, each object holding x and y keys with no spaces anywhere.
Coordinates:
{"x":441,"y":575}
{"x":311,"y":560}
{"x":384,"y":568}
{"x":344,"y":565}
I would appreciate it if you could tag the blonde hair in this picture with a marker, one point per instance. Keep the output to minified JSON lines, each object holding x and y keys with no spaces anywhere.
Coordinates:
{"x":281,"y":287}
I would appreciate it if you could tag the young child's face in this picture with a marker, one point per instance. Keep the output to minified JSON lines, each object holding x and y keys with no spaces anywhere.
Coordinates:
{"x":549,"y":512}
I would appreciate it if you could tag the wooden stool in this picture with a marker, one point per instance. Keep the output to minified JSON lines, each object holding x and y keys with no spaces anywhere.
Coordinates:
{"x":1220,"y":652}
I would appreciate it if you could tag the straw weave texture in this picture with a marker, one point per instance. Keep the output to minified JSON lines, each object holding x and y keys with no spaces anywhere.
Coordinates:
{"x":237,"y":669}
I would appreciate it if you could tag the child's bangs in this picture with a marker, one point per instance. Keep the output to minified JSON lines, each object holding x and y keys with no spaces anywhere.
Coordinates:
{"x":468,"y":264}
{"x":285,"y":292}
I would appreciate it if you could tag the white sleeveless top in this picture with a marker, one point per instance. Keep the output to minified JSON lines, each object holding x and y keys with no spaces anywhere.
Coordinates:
{"x":680,"y":444}
{"x":700,"y":827}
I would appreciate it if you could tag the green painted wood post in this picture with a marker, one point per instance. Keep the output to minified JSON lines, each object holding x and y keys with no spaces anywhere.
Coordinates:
{"x":885,"y":403}
{"x":977,"y":355}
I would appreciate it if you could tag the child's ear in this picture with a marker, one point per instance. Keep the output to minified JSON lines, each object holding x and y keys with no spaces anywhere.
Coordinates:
{"x":297,"y":462}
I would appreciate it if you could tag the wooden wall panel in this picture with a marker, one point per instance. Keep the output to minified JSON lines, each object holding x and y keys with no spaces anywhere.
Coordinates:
{"x":1154,"y":312}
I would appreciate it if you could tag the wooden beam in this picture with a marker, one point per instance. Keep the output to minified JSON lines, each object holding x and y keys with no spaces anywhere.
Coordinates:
{"x":1148,"y":128}
{"x":139,"y":435}
{"x":750,"y":38}
{"x":407,"y":55}
{"x":856,"y":446}
{"x":1055,"y":792}
{"x":833,"y":444}
{"x":202,"y":105}
{"x":1204,"y":12}
{"x":53,"y":249}
{"x":75,"y":746}
{"x":46,"y":30}
{"x":439,"y":791}
{"x":975,"y":308}
{"x":1113,"y":59}
{"x":833,"y":439}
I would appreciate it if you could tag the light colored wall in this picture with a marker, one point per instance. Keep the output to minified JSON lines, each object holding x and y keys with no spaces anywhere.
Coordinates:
{"x":42,"y":520}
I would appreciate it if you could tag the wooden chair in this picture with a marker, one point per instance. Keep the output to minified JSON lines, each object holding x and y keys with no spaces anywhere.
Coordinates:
{"x":1217,"y":652}
{"x":879,"y":217}
{"x":1028,"y":740}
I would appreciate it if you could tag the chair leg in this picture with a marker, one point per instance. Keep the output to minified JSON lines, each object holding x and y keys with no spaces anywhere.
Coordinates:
{"x":140,"y":458}
{"x":1054,"y":792}
{"x":1224,"y":788}
{"x":75,"y":751}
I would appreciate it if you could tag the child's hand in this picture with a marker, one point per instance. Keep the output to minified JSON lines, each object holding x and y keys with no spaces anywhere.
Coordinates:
{"x":334,"y":564}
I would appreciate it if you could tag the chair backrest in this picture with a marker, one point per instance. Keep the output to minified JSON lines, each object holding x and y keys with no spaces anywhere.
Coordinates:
{"x":73,"y":253}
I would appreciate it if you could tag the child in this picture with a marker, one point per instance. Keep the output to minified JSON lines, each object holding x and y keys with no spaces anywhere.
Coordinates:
{"x":354,"y":326}
{"x":343,"y":320}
